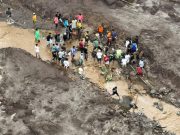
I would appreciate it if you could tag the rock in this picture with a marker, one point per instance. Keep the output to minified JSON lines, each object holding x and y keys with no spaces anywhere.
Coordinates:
{"x":13,"y":116}
{"x":158,"y":106}
{"x":178,"y":113}
{"x":162,"y":89}
{"x":110,"y":2}
{"x":153,"y":91}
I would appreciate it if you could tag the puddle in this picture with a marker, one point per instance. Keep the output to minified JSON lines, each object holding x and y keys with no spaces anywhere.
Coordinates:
{"x":25,"y":40}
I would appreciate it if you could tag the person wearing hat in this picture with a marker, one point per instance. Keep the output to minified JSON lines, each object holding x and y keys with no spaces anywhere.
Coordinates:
{"x":34,"y":19}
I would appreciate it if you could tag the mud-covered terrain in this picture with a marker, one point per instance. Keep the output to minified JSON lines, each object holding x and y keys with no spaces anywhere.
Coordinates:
{"x":157,"y":22}
{"x":40,"y":99}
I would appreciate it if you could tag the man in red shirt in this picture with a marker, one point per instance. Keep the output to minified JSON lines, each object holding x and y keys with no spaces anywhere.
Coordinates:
{"x":139,"y":71}
{"x":81,"y":46}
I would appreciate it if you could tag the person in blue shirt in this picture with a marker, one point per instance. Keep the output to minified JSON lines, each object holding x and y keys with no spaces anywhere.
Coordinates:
{"x":73,"y":52}
{"x":133,"y":47}
{"x":114,"y":35}
{"x":66,"y":23}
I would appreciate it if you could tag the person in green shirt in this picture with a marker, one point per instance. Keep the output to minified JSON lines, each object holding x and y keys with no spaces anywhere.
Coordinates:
{"x":37,"y":35}
{"x":95,"y":44}
{"x":118,"y":54}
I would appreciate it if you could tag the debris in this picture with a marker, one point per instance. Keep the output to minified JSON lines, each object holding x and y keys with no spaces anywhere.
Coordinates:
{"x":158,"y":105}
{"x":153,"y":91}
{"x":13,"y":116}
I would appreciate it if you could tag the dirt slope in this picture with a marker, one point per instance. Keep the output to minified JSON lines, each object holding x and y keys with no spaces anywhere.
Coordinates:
{"x":38,"y":99}
{"x":156,"y":21}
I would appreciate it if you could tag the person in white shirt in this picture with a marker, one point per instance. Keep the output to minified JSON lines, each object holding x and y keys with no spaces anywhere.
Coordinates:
{"x":141,"y":63}
{"x":61,"y":54}
{"x":81,"y":72}
{"x":124,"y":62}
{"x":37,"y":51}
{"x":66,"y":63}
{"x":127,"y":43}
{"x":74,"y":22}
{"x":99,"y":56}
{"x":127,"y":57}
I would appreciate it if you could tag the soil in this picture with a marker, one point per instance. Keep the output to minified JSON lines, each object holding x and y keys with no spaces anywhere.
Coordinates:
{"x":39,"y":99}
{"x":157,"y":23}
{"x":167,"y":118}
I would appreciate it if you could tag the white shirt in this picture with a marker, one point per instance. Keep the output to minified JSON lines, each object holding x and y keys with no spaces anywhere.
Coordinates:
{"x":61,"y":54}
{"x":66,"y":63}
{"x":127,"y":57}
{"x":81,"y":71}
{"x":124,"y":62}
{"x":74,"y":22}
{"x":141,"y":63}
{"x":37,"y":50}
{"x":99,"y":55}
{"x":127,"y":43}
{"x":82,"y":56}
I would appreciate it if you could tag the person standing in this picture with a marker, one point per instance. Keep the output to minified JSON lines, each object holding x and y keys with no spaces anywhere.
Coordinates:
{"x":81,"y":45}
{"x":79,"y":29}
{"x":37,"y":51}
{"x":37,"y":35}
{"x":74,"y":24}
{"x":80,"y":17}
{"x":53,"y":50}
{"x":66,"y":63}
{"x":100,"y":30}
{"x":56,"y":21}
{"x":73,"y":52}
{"x":34,"y":19}
{"x":81,"y":60}
{"x":106,"y":60}
{"x":86,"y":37}
{"x":95,"y":44}
{"x":9,"y":15}
{"x":99,"y":56}
{"x":86,"y":53}
{"x":49,"y":40}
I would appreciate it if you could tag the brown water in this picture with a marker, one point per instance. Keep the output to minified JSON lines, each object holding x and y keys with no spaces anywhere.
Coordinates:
{"x":11,"y":36}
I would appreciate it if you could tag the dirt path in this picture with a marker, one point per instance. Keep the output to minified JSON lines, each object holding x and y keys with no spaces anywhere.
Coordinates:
{"x":11,"y":36}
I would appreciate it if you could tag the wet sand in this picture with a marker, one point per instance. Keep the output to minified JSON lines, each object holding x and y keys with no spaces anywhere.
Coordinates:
{"x":11,"y":36}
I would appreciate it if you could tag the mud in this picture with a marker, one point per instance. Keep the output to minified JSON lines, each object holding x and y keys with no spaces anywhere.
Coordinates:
{"x":159,"y":18}
{"x":37,"y":98}
{"x":156,"y":21}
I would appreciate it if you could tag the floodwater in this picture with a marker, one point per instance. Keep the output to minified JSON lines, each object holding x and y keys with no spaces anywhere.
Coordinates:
{"x":11,"y":36}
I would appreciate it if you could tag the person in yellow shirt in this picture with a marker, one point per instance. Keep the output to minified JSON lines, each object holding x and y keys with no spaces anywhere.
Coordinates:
{"x":79,"y":29}
{"x":34,"y":19}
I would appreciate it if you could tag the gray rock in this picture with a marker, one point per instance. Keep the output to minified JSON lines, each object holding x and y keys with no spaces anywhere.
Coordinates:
{"x":178,"y":113}
{"x":153,"y":91}
{"x":110,"y":2}
{"x":158,"y":106}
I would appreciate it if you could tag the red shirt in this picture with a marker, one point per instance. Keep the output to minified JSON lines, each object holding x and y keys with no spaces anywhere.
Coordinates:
{"x":81,"y":44}
{"x":106,"y":58}
{"x":139,"y":71}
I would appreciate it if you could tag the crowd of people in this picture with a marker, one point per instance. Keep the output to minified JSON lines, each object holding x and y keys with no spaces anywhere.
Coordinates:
{"x":103,"y":41}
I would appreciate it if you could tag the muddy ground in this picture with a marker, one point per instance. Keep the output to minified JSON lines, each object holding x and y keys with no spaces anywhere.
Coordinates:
{"x":156,"y":21}
{"x":40,"y":99}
